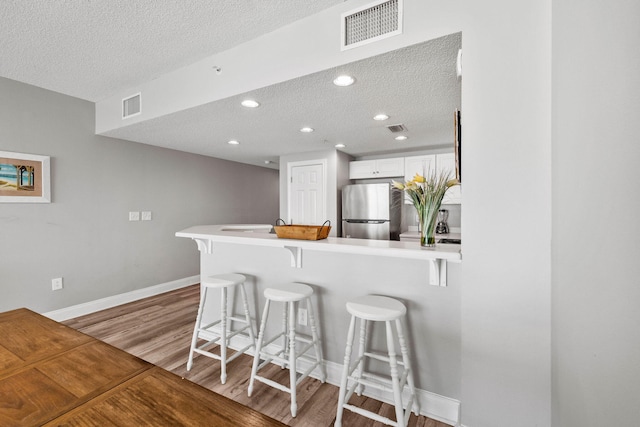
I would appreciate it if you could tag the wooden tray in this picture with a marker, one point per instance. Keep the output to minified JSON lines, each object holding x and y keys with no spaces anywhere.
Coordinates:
{"x":302,"y":232}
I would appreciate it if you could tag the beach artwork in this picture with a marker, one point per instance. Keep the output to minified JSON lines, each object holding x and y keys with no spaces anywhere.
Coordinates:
{"x":24,"y":178}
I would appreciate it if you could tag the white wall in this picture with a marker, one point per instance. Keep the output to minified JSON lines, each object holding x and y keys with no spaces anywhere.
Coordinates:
{"x":336,"y":164}
{"x":506,"y":159}
{"x":596,"y":290}
{"x":84,"y":236}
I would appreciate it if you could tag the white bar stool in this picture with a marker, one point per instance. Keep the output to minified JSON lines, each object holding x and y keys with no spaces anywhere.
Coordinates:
{"x":289,"y":294}
{"x":225,"y":332}
{"x":373,"y":308}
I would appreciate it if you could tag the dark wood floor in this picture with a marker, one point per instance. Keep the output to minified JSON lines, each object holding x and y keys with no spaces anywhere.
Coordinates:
{"x":158,"y":329}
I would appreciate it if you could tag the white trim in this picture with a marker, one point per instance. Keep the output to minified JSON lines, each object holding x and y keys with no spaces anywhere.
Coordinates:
{"x":112,"y":301}
{"x":432,"y":405}
{"x":290,"y":166}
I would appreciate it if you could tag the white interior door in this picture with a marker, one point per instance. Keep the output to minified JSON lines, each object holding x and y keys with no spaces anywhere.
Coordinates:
{"x":307,"y":195}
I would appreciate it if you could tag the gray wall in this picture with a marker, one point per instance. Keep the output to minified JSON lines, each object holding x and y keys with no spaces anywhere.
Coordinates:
{"x":84,"y":235}
{"x":596,"y":286}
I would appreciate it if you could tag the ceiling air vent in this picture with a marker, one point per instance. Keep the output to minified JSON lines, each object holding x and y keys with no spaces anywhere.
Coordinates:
{"x":397,"y":128}
{"x":371,"y":23}
{"x":131,"y":106}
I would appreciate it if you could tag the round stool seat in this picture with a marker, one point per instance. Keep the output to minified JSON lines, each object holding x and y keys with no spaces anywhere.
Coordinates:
{"x":289,"y":292}
{"x":223,"y":280}
{"x":376,"y":308}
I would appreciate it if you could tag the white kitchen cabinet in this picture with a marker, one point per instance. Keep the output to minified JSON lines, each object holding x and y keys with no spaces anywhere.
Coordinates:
{"x":378,"y":168}
{"x":424,"y":164}
{"x":418,"y":165}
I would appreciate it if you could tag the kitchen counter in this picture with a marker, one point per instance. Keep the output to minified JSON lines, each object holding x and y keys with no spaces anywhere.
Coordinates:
{"x":257,"y":235}
{"x":339,"y":270}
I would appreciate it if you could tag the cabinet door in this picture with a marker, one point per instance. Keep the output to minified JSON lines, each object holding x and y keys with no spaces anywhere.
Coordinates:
{"x":388,"y":168}
{"x":447,"y":162}
{"x":362,"y":169}
{"x":418,"y":165}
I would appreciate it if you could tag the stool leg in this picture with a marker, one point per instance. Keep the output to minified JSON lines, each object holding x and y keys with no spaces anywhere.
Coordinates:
{"x":395,"y":382}
{"x":345,"y":372}
{"x":223,"y":335}
{"x":256,"y":356}
{"x":364,"y":334}
{"x":292,"y":357}
{"x":316,"y":341}
{"x":247,"y":316}
{"x":194,"y":339}
{"x":407,"y":366}
{"x":285,"y":332}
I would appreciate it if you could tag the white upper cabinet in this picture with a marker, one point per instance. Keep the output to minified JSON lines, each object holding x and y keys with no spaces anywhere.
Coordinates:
{"x":441,"y":162}
{"x":418,"y":165}
{"x":379,"y":168}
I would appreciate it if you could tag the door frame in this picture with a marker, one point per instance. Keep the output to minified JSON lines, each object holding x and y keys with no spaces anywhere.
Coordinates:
{"x":290,"y":166}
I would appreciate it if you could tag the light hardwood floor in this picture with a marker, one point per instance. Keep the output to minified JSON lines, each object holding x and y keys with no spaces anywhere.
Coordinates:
{"x":158,"y":329}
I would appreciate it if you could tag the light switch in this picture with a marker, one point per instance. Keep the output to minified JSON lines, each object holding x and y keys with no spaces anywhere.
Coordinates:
{"x":134,"y":216}
{"x":146,"y":215}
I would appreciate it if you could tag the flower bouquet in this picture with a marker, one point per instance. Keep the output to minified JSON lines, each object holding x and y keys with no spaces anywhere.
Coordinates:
{"x":426,"y":193}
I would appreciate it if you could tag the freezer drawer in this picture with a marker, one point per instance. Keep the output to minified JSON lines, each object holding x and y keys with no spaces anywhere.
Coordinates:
{"x":377,"y":230}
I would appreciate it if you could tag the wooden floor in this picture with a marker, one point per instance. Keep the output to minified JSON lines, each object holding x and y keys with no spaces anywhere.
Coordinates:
{"x":158,"y":329}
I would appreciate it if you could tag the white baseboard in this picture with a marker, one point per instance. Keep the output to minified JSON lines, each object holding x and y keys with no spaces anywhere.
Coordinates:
{"x":112,"y":301}
{"x":432,"y":405}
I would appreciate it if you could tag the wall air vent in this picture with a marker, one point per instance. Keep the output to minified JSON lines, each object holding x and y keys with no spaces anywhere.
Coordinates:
{"x":371,"y":23}
{"x":131,"y":106}
{"x":397,"y":128}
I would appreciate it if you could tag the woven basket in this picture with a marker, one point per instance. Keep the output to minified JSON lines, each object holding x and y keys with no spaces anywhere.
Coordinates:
{"x":302,"y":232}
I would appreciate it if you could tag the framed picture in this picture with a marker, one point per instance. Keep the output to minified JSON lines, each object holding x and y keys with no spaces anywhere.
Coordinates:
{"x":457,"y":131}
{"x":24,"y":178}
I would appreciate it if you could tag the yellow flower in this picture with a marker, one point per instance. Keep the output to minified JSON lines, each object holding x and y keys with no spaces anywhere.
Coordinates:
{"x":398,"y":185}
{"x":419,"y":179}
{"x":452,"y":182}
{"x":411,"y":185}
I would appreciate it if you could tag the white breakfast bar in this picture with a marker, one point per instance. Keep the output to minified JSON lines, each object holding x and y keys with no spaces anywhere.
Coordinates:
{"x":258,"y":235}
{"x":340,"y":269}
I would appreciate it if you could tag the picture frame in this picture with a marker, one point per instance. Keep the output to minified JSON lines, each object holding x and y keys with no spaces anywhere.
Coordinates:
{"x":457,"y":131}
{"x":24,"y":178}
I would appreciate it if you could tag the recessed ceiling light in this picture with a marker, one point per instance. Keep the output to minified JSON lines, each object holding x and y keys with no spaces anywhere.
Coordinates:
{"x":306,"y":130}
{"x":340,"y":145}
{"x":401,"y":138}
{"x":267,"y":162}
{"x":250,"y":103}
{"x":233,"y":142}
{"x":343,"y":80}
{"x":380,"y":117}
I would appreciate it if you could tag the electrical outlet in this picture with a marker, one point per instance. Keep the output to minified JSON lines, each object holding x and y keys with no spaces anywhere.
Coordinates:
{"x":56,"y":284}
{"x":134,"y":216}
{"x":302,"y":316}
{"x":146,"y":215}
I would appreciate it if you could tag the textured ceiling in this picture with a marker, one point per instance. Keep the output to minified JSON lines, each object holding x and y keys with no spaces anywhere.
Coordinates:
{"x":416,"y":86}
{"x":90,"y":49}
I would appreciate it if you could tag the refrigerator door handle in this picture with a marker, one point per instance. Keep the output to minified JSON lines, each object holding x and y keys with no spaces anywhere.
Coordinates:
{"x":365,"y":221}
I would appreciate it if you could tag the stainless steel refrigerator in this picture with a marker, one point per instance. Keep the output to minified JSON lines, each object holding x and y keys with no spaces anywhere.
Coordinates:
{"x":371,"y":211}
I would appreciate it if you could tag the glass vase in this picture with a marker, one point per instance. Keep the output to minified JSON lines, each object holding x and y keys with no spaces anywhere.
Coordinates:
{"x":428,"y":219}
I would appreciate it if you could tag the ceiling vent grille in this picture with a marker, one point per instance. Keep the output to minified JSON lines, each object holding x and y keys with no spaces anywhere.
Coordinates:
{"x":397,"y":128}
{"x":131,"y":106}
{"x":371,"y":23}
